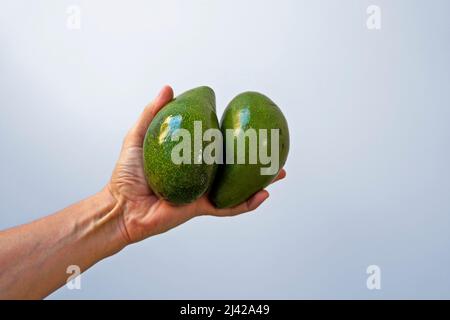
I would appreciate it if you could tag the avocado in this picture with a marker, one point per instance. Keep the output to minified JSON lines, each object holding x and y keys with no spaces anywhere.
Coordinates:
{"x":235,"y":182}
{"x":180,"y":183}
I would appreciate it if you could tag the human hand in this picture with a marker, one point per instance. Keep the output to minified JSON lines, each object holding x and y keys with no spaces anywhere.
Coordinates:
{"x":143,"y":214}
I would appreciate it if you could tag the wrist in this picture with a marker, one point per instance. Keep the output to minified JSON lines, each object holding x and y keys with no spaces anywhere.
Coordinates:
{"x":108,"y":223}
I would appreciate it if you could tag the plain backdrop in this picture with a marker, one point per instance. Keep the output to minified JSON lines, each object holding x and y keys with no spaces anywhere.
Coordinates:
{"x":368,"y":110}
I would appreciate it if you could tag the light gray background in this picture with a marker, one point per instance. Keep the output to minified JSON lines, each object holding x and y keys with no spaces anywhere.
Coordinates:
{"x":368,"y":171}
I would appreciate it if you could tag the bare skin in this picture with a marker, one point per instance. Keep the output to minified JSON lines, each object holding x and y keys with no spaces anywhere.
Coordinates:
{"x":34,"y":257}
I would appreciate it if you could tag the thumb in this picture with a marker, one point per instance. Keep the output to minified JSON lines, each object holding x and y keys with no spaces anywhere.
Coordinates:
{"x":136,"y":135}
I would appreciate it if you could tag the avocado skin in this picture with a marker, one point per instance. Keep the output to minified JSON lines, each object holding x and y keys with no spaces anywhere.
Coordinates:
{"x":183,"y":183}
{"x":235,"y":183}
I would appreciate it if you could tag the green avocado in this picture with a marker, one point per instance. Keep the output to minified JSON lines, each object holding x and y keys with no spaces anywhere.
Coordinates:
{"x":236,"y":182}
{"x":180,"y":183}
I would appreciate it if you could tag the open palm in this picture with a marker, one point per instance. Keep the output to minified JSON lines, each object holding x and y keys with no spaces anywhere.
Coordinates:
{"x":144,"y":214}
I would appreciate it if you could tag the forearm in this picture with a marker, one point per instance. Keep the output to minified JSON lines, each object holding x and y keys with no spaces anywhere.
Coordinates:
{"x":34,"y":257}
